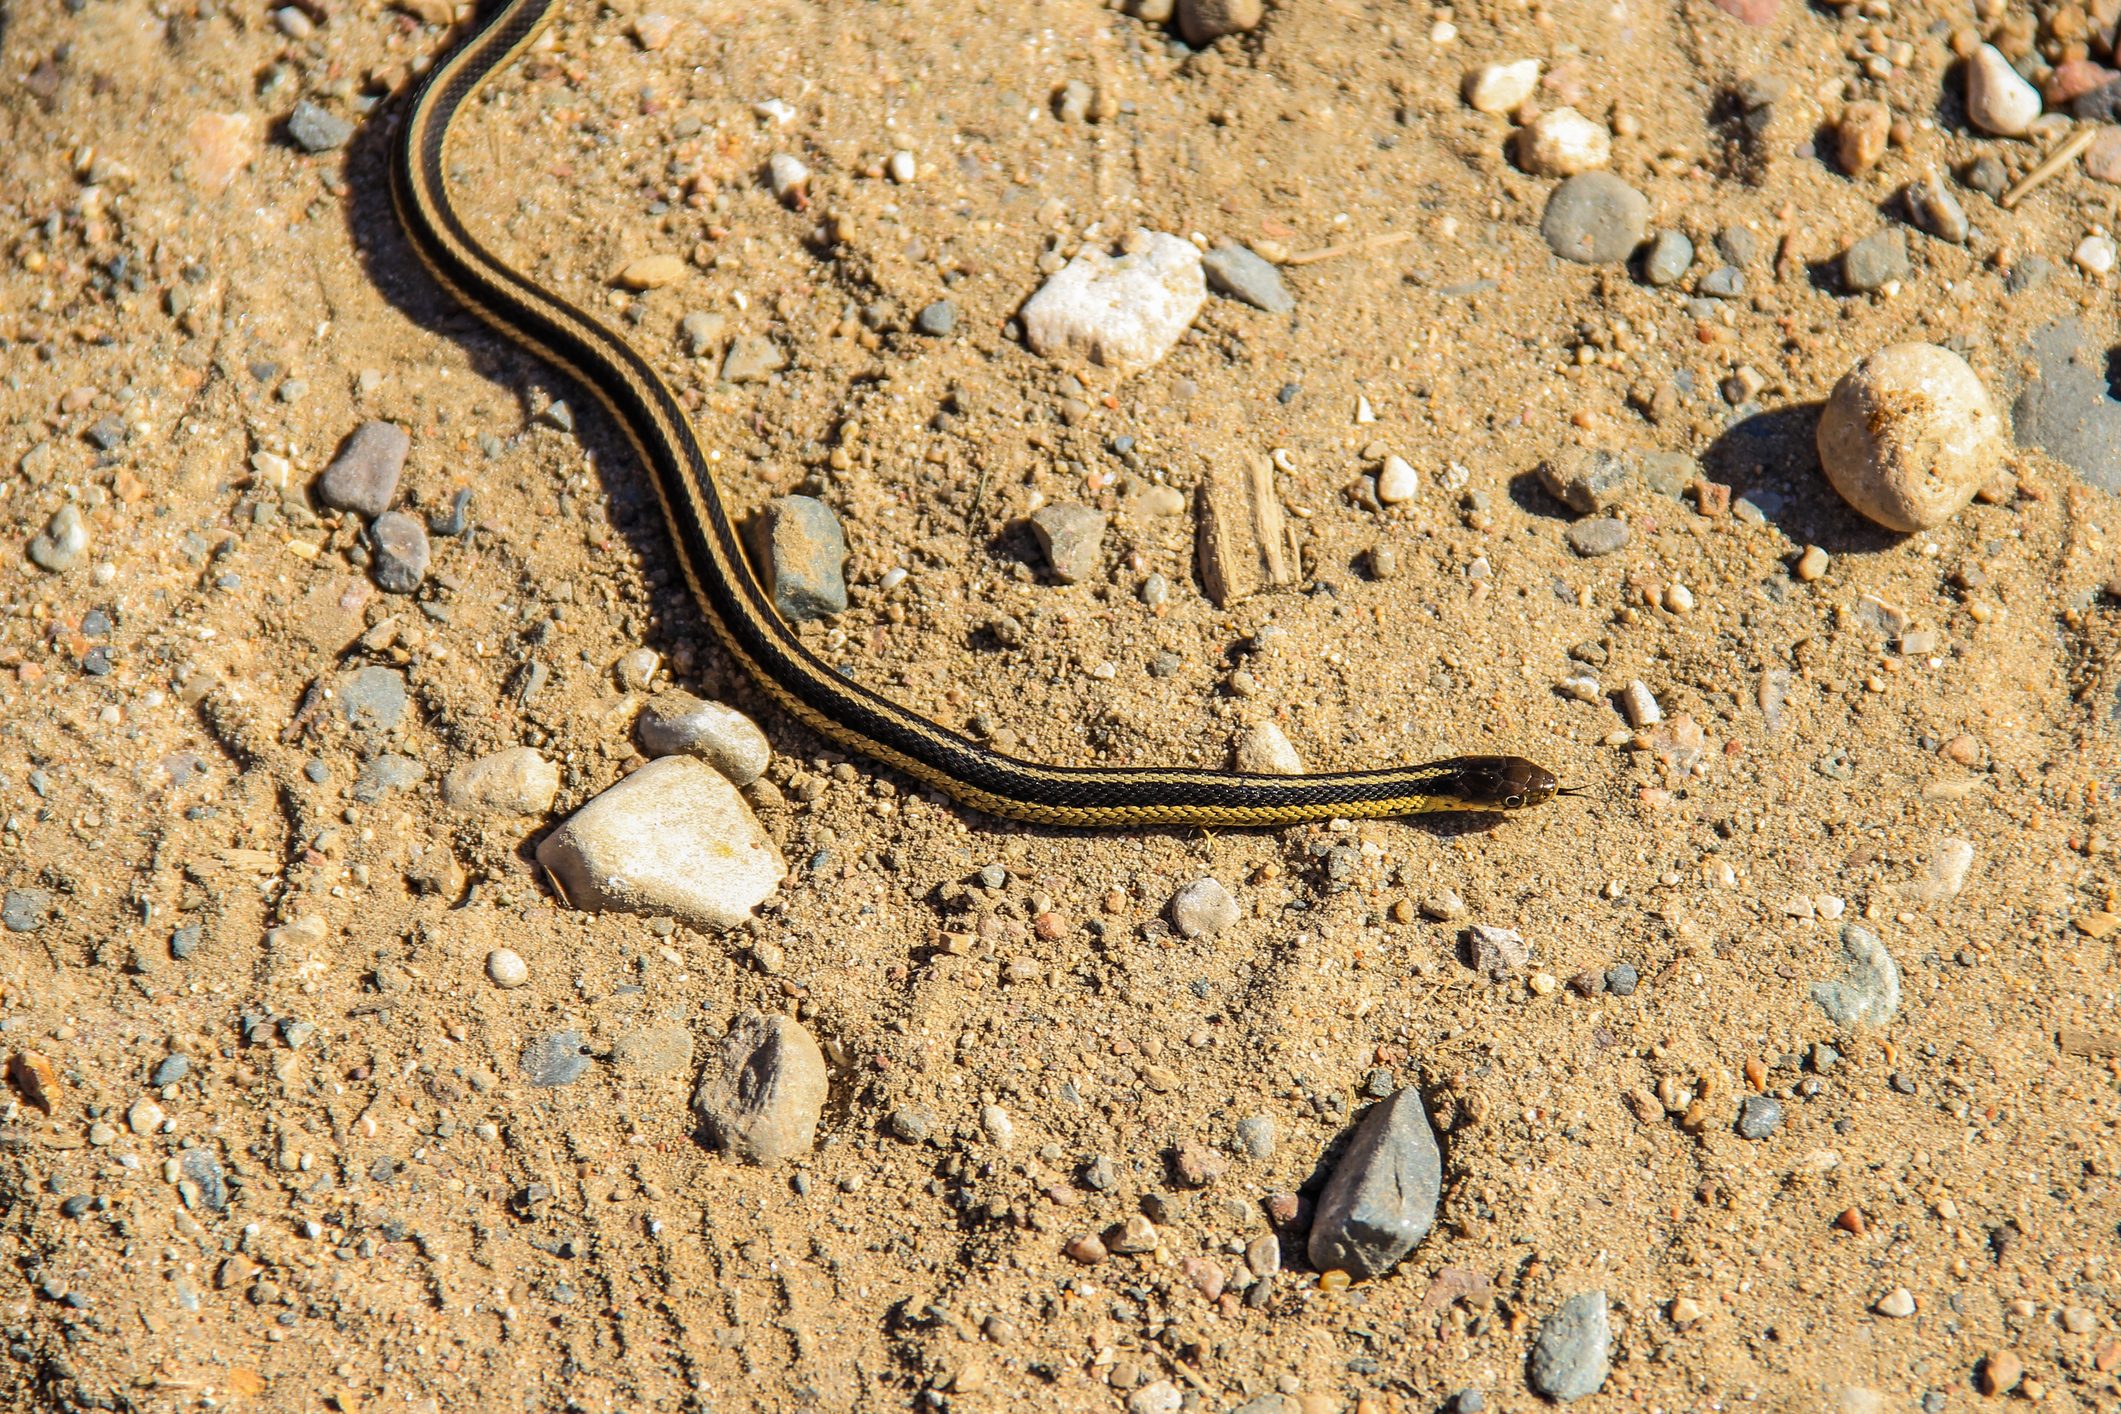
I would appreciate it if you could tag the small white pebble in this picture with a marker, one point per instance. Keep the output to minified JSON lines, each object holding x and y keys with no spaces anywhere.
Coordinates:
{"x":773,"y":110}
{"x":506,"y":969}
{"x":2095,"y":255}
{"x":1583,"y":689}
{"x":1442,"y":32}
{"x":1640,"y":705}
{"x":1397,"y":481}
{"x":1678,"y":599}
{"x":1899,"y":1303}
{"x":1000,"y":1128}
{"x":903,"y":167}
{"x":1498,"y":88}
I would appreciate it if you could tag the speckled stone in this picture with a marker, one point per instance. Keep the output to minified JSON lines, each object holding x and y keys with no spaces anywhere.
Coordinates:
{"x":802,"y":553}
{"x":1570,"y":1356}
{"x":1594,"y":218}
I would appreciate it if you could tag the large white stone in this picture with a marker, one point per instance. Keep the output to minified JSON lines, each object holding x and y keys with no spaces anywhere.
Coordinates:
{"x":1998,"y":99}
{"x":679,"y":724}
{"x":1119,"y":312}
{"x":673,"y":838}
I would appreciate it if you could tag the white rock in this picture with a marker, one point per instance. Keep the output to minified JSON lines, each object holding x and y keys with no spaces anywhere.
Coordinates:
{"x":145,"y":1117}
{"x":1498,"y":88}
{"x":1899,"y":1303}
{"x":1947,"y":873}
{"x":1909,"y":435}
{"x":903,"y":167}
{"x":1640,"y":704}
{"x":517,"y":781}
{"x":2095,"y":255}
{"x":1119,"y":312}
{"x":679,"y":724}
{"x":1397,"y":481}
{"x":1000,"y":1128}
{"x":672,"y":838}
{"x":506,"y":968}
{"x":1997,"y":99}
{"x":1584,"y":688}
{"x":790,"y":178}
{"x":1202,"y":909}
{"x":1265,"y":749}
{"x":1561,"y":143}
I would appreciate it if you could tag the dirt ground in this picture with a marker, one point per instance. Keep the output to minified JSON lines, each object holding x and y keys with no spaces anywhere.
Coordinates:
{"x":350,"y":1199}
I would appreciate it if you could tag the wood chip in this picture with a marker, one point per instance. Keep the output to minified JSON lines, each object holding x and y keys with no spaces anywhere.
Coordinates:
{"x":1246,"y":544}
{"x":2096,"y":1044}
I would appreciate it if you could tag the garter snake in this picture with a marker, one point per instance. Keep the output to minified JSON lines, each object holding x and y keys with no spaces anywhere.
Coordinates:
{"x":645,"y":407}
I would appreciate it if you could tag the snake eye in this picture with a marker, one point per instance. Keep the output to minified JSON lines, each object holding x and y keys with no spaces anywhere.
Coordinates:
{"x":1511,"y":802}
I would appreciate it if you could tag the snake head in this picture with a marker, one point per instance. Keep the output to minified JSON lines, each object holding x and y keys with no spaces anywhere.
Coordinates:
{"x":1502,"y":783}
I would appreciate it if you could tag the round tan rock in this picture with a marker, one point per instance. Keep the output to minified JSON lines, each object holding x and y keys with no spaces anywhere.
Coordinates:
{"x":1909,"y":435}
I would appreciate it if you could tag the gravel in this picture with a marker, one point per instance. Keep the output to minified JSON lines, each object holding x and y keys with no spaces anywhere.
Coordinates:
{"x":1239,"y":272}
{"x":505,"y":968}
{"x":1072,"y":538}
{"x":1668,"y":259}
{"x":937,"y":320}
{"x":1602,"y":536}
{"x":1758,"y":1116}
{"x":1876,"y":261}
{"x":314,"y":130}
{"x":517,"y":781}
{"x":63,"y":541}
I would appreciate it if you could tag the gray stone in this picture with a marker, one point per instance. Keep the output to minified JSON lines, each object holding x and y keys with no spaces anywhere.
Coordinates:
{"x":1875,"y":260}
{"x":1869,"y":991}
{"x":2101,"y":105}
{"x":372,"y":699}
{"x":1255,"y":1136}
{"x":674,"y":838}
{"x":183,"y":942}
{"x":1569,"y":1356}
{"x":1670,"y":256}
{"x":386,"y":773}
{"x":200,"y":1181}
{"x":1594,"y":218}
{"x":171,"y":1070}
{"x":1586,"y":479}
{"x":363,"y":477}
{"x":1724,"y":282}
{"x":652,"y":1051}
{"x":401,"y":552}
{"x":25,"y":910}
{"x":517,"y":781}
{"x":1239,"y":272}
{"x":679,"y":724}
{"x":553,"y":1060}
{"x":752,"y":358}
{"x":1621,"y":979}
{"x":1202,"y":909}
{"x":702,"y":331}
{"x":62,"y":542}
{"x":1602,"y":536}
{"x":1669,"y":473}
{"x":1073,"y":538}
{"x":1758,"y":1116}
{"x":2028,"y":273}
{"x":1381,"y":1199}
{"x":1987,"y":175}
{"x":1739,"y":245}
{"x":912,"y":1123}
{"x":107,"y":432}
{"x":763,"y":1090}
{"x":315,"y":130}
{"x":937,"y":320}
{"x":2065,"y":409}
{"x":802,"y":555}
{"x":1931,"y":205}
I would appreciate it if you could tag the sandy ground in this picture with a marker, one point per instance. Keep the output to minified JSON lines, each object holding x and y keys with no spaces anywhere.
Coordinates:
{"x":408,"y":1225}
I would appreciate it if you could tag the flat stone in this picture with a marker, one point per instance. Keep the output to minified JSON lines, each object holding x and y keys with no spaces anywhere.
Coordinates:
{"x":1381,"y":1199}
{"x":1868,"y":992}
{"x":1072,"y":538}
{"x":673,"y":838}
{"x":315,"y":130}
{"x":401,"y":552}
{"x":1119,"y":312}
{"x":517,"y":781}
{"x":372,"y":699}
{"x":801,"y":552}
{"x":24,"y":910}
{"x":1239,"y":272}
{"x":702,"y":332}
{"x":1670,"y":256}
{"x":1570,"y":1354}
{"x":652,"y":272}
{"x":1602,"y":535}
{"x":652,"y":1051}
{"x":1586,"y":480}
{"x":554,"y":1060}
{"x":63,"y":541}
{"x":1876,"y":260}
{"x":363,"y":477}
{"x":679,"y":724}
{"x":1758,"y":1116}
{"x":2065,"y":409}
{"x":763,"y":1090}
{"x":1594,"y":218}
{"x":1202,"y":909}
{"x":752,"y":358}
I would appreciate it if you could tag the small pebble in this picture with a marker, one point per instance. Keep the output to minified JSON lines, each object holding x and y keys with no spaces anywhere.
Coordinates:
{"x":62,"y":542}
{"x":1397,"y":481}
{"x":1811,"y":565}
{"x":2000,"y":1373}
{"x":1586,"y":480}
{"x":1898,"y":1304}
{"x":550,"y":1061}
{"x":1621,"y":979}
{"x":1639,"y":705}
{"x":2095,"y":255}
{"x":1670,"y":256}
{"x":652,"y":272}
{"x":1876,"y":261}
{"x":799,"y":545}
{"x":1933,"y":207}
{"x":1602,"y":535}
{"x":1203,"y":22}
{"x":1072,"y":538}
{"x":363,"y":477}
{"x":1860,"y":136}
{"x":504,"y":968}
{"x":1265,"y":749}
{"x":903,"y":167}
{"x":315,"y":130}
{"x":937,"y":320}
{"x":789,"y":178}
{"x":1255,"y":1136}
{"x":1758,"y":1117}
{"x":679,"y":724}
{"x":145,"y":1117}
{"x":1562,"y":142}
{"x":1381,"y":1199}
{"x":912,"y":1123}
{"x":1595,"y":218}
{"x":1868,"y":993}
{"x":518,"y":781}
{"x":170,"y":1070}
{"x":1202,"y":909}
{"x":1240,"y":273}
{"x":2102,"y":160}
{"x":763,"y":1090}
{"x":1571,"y":1352}
{"x":401,"y":552}
{"x":1501,"y":88}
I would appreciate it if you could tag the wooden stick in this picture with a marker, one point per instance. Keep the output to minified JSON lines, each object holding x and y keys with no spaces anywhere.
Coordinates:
{"x":2065,"y":152}
{"x":1312,"y":257}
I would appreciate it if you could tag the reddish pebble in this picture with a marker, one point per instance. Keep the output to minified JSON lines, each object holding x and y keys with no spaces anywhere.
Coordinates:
{"x":1713,"y":498}
{"x":2102,"y":160}
{"x":1050,"y":926}
{"x":1208,"y":1277}
{"x":1281,"y":1208}
{"x":2073,"y":78}
{"x":1851,"y":1220}
{"x":1087,"y":1249}
{"x":2108,"y":1356}
{"x":1751,"y":12}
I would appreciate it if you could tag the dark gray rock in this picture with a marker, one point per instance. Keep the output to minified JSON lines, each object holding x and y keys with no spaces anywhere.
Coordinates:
{"x":2101,"y":105}
{"x":200,"y":1181}
{"x":1570,"y":1355}
{"x":315,"y":130}
{"x":937,"y":320}
{"x":1594,"y":218}
{"x":1238,"y":272}
{"x":1724,"y":282}
{"x":1381,"y":1199}
{"x":1759,"y":1116}
{"x":1739,"y":245}
{"x":25,"y":910}
{"x":2065,"y":409}
{"x":401,"y":552}
{"x":1621,"y":979}
{"x":363,"y":477}
{"x":171,"y":1070}
{"x":802,"y":552}
{"x":1603,"y":536}
{"x":1987,"y":175}
{"x":554,"y":1060}
{"x":1875,"y":260}
{"x":1670,"y":256}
